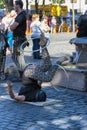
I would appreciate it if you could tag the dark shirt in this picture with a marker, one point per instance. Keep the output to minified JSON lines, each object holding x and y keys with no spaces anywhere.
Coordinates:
{"x":20,"y":30}
{"x":30,"y":89}
{"x":82,"y":26}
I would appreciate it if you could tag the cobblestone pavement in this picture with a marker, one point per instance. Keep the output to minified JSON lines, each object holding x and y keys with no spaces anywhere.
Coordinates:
{"x":68,"y":114}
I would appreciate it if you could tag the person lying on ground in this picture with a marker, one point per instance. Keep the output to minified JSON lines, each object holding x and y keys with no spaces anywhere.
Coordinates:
{"x":34,"y":75}
{"x":30,"y":92}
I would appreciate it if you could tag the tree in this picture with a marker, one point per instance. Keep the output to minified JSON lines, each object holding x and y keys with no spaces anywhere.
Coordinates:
{"x":43,"y":5}
{"x":36,"y":6}
{"x":8,"y":4}
{"x":56,"y":1}
{"x":43,"y":2}
{"x":1,"y":4}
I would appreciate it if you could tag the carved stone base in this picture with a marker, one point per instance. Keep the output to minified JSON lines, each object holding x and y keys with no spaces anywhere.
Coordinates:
{"x":72,"y":78}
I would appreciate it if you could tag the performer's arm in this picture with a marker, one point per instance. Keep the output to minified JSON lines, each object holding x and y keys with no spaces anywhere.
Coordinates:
{"x":12,"y":95}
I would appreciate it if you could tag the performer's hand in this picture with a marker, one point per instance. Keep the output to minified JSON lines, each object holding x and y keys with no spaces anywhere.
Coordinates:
{"x":9,"y":83}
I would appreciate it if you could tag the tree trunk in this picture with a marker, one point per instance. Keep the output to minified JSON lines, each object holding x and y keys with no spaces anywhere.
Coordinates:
{"x":36,"y":6}
{"x":43,"y":5}
{"x":8,"y":4}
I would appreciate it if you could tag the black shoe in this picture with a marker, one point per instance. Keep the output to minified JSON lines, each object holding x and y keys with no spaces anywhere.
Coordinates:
{"x":21,"y":73}
{"x":40,"y":57}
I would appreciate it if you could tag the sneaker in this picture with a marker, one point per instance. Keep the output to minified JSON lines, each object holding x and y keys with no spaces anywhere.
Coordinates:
{"x":38,"y":57}
{"x":21,"y":73}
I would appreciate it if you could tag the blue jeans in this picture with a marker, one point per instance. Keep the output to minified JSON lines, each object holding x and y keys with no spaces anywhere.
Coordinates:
{"x":36,"y":48}
{"x":10,"y":39}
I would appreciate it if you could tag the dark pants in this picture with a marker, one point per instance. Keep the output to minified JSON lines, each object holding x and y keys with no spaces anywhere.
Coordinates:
{"x":36,"y":47}
{"x":3,"y":46}
{"x":17,"y":55}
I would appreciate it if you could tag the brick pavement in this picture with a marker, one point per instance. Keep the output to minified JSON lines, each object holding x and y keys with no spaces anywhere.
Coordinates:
{"x":69,"y":114}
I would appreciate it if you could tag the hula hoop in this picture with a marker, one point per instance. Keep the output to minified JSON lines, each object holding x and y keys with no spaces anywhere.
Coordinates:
{"x":24,"y":43}
{"x":66,"y":74}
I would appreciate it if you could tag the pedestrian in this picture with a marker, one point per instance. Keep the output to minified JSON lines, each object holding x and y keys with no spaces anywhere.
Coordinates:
{"x":34,"y":75}
{"x":45,"y":27}
{"x":53,"y":24}
{"x":5,"y":19}
{"x":19,"y":28}
{"x":35,"y":25}
{"x":82,"y":31}
{"x":11,"y":18}
{"x":82,"y":25}
{"x":8,"y":32}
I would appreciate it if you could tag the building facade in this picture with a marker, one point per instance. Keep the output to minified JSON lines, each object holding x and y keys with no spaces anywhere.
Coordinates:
{"x":80,"y":6}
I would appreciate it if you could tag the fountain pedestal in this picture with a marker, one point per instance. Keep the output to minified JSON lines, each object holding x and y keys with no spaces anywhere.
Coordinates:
{"x":81,"y":45}
{"x":74,"y":78}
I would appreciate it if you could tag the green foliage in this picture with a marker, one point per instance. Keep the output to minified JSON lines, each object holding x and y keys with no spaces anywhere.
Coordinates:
{"x":1,"y":4}
{"x":56,"y":1}
{"x":8,"y":4}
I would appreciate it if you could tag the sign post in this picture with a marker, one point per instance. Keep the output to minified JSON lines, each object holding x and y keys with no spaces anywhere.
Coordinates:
{"x":73,"y":15}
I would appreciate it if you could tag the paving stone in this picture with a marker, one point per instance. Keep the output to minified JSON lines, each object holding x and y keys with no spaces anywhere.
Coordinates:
{"x":69,"y":114}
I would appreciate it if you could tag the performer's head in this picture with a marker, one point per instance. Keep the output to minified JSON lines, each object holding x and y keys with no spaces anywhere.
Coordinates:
{"x":40,"y":96}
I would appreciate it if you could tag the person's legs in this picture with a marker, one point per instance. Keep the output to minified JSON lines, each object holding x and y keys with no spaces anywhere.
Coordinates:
{"x":10,"y":39}
{"x":18,"y":56}
{"x":43,"y":71}
{"x":36,"y":48}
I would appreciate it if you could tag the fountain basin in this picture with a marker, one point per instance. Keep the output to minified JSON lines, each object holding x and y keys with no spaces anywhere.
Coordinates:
{"x":72,"y":77}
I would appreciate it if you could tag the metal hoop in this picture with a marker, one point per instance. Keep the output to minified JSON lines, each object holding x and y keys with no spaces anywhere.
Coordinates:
{"x":23,"y":44}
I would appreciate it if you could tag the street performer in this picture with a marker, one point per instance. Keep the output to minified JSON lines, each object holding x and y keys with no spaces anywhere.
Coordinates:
{"x":34,"y":75}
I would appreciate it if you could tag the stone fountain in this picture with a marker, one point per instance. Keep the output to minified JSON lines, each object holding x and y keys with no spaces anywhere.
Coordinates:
{"x":74,"y":76}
